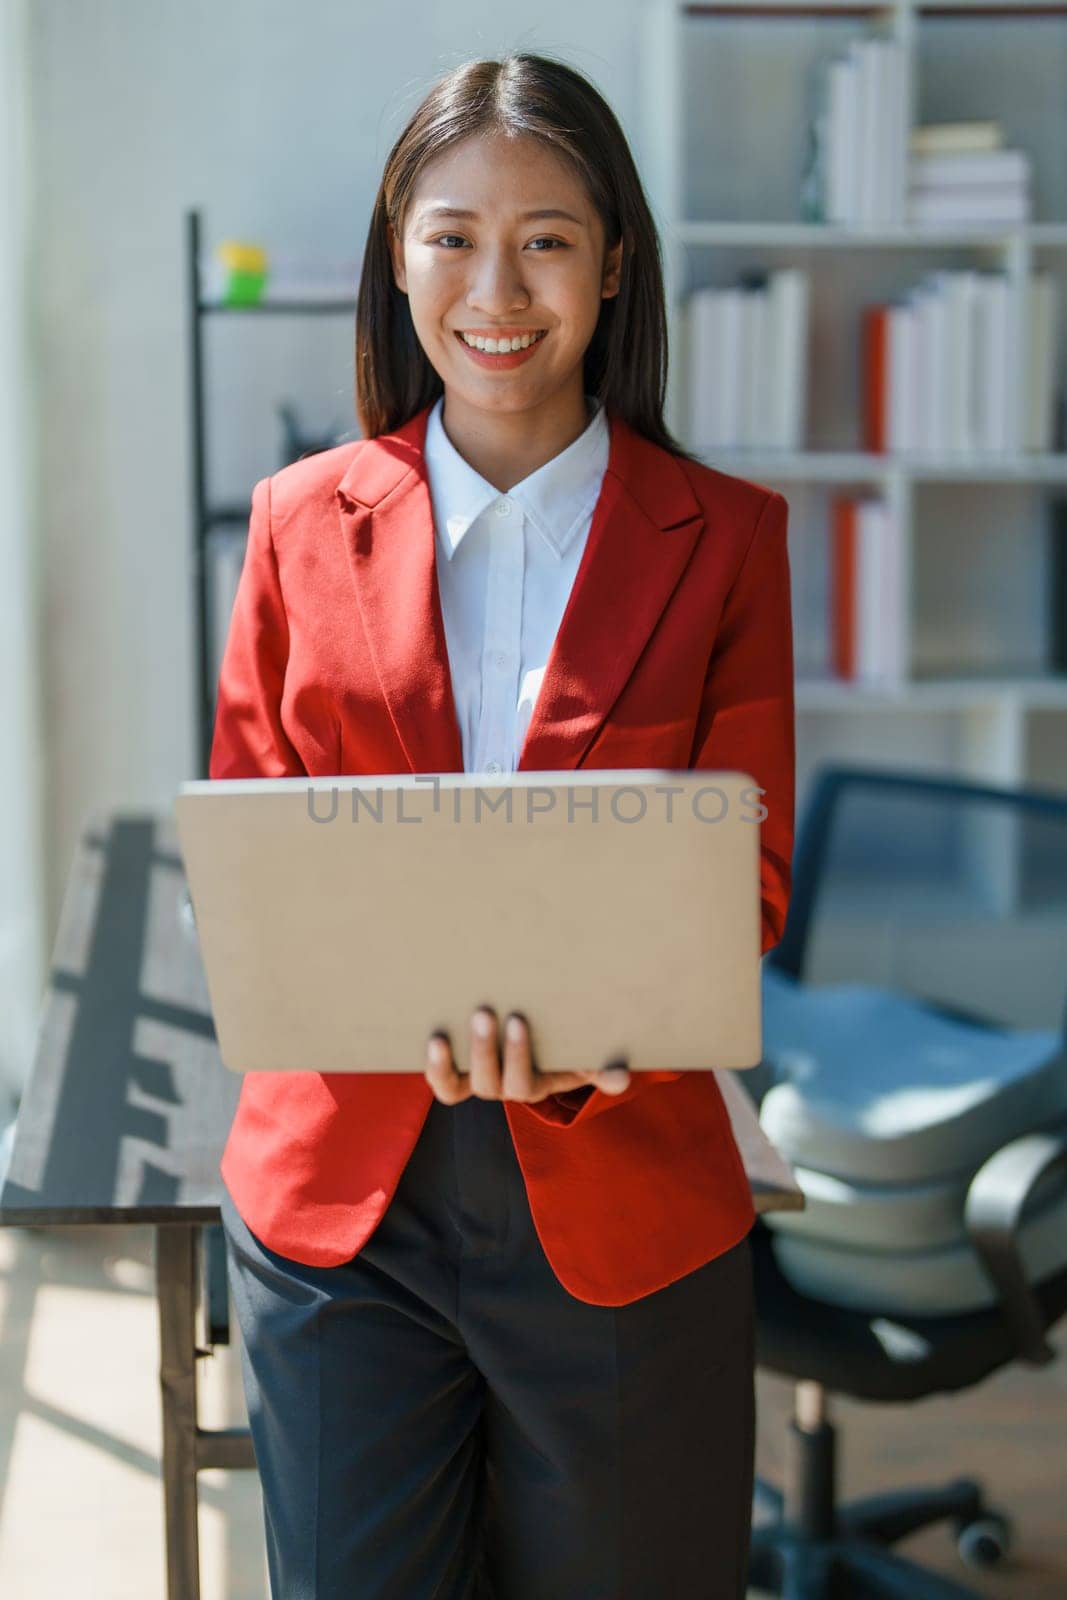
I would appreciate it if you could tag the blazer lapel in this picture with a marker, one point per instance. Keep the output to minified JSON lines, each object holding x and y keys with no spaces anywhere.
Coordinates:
{"x":387,"y":526}
{"x":645,"y":523}
{"x":644,"y":527}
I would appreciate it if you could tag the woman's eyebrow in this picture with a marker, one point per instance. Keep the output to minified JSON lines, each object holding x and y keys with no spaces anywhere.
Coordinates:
{"x":527,"y":216}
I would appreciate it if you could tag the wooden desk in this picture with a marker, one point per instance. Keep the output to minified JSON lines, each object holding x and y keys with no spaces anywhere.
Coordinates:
{"x":128,"y":1108}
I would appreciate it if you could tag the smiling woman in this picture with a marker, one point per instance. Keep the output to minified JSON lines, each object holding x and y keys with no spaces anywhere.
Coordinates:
{"x":497,"y":1322}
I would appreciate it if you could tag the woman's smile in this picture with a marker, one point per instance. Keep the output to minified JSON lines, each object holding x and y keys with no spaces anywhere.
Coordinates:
{"x":501,"y":351}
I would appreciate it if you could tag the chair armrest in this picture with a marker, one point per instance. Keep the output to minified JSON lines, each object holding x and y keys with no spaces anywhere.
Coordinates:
{"x":996,"y":1198}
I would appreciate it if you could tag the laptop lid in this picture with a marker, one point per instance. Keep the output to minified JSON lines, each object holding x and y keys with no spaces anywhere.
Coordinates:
{"x":341,"y":920}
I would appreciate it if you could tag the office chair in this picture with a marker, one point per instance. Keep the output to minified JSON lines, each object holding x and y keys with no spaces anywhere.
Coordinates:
{"x":954,"y":896}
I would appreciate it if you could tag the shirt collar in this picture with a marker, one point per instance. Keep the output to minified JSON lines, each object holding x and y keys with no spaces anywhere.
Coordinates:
{"x":557,"y":497}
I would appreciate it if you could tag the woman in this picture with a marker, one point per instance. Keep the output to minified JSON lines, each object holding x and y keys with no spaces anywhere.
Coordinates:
{"x":498,"y":1326}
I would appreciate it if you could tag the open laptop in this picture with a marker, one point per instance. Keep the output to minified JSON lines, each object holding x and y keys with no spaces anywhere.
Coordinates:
{"x":341,"y":920}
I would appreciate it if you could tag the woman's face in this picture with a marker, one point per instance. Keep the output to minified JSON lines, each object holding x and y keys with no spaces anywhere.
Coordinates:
{"x":501,"y":269}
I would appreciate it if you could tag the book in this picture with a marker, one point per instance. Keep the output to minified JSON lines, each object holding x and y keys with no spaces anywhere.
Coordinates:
{"x":967,"y":168}
{"x":861,"y":143}
{"x":874,"y":384}
{"x":1057,"y":586}
{"x":864,"y":591}
{"x":942,"y":138}
{"x":1041,"y":335}
{"x":937,"y":205}
{"x":748,"y":362}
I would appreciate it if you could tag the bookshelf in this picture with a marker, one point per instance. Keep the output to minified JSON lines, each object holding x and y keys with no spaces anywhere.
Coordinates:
{"x":731,"y":92}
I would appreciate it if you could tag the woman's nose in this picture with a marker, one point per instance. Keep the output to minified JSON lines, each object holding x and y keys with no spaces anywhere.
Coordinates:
{"x":498,"y":287}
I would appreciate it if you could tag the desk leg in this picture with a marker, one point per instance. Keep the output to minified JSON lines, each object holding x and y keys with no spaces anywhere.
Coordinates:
{"x":176,"y":1292}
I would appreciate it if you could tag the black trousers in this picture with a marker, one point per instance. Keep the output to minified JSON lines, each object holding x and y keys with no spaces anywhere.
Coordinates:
{"x":439,"y":1419}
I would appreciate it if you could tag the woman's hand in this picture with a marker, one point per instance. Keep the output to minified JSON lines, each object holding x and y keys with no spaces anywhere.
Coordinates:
{"x":517,"y":1077}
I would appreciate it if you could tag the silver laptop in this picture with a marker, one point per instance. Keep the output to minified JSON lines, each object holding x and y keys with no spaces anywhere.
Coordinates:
{"x":342,"y":920}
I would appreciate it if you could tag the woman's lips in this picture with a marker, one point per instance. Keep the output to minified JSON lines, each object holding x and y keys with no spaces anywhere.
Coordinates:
{"x":500,"y":363}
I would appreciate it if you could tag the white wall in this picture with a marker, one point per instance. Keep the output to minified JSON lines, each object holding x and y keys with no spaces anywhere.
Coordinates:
{"x":22,"y":912}
{"x":275,"y":119}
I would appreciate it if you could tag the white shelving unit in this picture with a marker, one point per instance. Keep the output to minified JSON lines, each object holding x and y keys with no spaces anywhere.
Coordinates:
{"x":729,"y":95}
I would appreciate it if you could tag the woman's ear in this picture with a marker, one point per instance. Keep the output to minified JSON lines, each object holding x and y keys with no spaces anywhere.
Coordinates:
{"x":396,"y":251}
{"x":612,"y":271}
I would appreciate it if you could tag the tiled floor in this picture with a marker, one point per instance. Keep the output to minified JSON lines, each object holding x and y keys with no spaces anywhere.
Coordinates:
{"x":80,"y":1499}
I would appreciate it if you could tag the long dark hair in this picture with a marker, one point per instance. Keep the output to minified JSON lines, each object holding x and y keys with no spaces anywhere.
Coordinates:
{"x":626,"y":360}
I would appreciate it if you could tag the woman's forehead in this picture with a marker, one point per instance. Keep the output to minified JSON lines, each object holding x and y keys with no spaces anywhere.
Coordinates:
{"x":467,"y":178}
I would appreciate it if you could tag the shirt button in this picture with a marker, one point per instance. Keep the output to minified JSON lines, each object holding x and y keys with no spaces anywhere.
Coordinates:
{"x":493,"y":766}
{"x":503,"y":508}
{"x":501,"y":660}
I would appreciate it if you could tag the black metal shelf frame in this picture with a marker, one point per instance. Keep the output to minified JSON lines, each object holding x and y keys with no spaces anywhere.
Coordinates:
{"x":205,"y":515}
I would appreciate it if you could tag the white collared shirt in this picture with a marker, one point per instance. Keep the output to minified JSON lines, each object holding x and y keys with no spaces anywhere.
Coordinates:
{"x":506,"y":564}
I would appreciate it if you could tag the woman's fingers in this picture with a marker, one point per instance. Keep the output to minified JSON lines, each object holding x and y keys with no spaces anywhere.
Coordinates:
{"x":447,"y":1082}
{"x":521,"y":1077}
{"x":516,"y":1077}
{"x":524,"y":1081}
{"x":613,"y":1080}
{"x":485,"y":1074}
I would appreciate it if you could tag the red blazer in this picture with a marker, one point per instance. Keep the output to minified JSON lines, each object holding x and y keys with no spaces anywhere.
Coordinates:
{"x":675,"y":650}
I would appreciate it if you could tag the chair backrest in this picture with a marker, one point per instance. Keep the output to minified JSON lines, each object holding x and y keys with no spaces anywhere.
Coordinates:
{"x":951,"y":891}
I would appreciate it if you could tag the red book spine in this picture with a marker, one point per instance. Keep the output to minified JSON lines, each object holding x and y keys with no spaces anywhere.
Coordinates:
{"x":843,"y":573}
{"x":874,"y":378}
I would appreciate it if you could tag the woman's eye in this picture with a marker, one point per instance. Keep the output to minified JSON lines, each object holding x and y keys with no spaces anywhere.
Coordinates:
{"x":445,"y":236}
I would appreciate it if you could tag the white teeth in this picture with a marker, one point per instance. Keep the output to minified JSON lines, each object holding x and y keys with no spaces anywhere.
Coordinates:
{"x":499,"y":346}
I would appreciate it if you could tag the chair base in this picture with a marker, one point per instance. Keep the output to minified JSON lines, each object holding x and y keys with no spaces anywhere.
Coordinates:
{"x":800,"y":1569}
{"x":819,"y":1551}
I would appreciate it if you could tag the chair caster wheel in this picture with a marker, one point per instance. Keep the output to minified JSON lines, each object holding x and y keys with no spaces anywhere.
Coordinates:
{"x":986,"y":1541}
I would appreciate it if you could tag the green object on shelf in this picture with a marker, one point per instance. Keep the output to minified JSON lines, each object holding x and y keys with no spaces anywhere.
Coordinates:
{"x":243,"y":287}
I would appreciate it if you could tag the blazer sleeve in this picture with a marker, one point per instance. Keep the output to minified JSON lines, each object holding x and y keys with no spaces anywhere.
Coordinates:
{"x":248,"y":740}
{"x":745,"y":723}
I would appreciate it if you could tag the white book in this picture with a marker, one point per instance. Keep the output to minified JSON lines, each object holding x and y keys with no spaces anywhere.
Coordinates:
{"x":842,"y":172}
{"x":753,"y":379}
{"x":786,"y":360}
{"x":938,"y":360}
{"x":959,"y":291}
{"x":891,"y":633}
{"x":1007,"y":203}
{"x":715,"y":367}
{"x":1041,"y":336}
{"x":704,"y":318}
{"x":990,"y":415}
{"x":869,"y":532}
{"x":729,"y":367}
{"x":879,"y":656}
{"x":903,"y":354}
{"x":937,"y":137}
{"x":921,"y":300}
{"x":967,"y":168}
{"x":980,"y":419}
{"x":898,"y":128}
